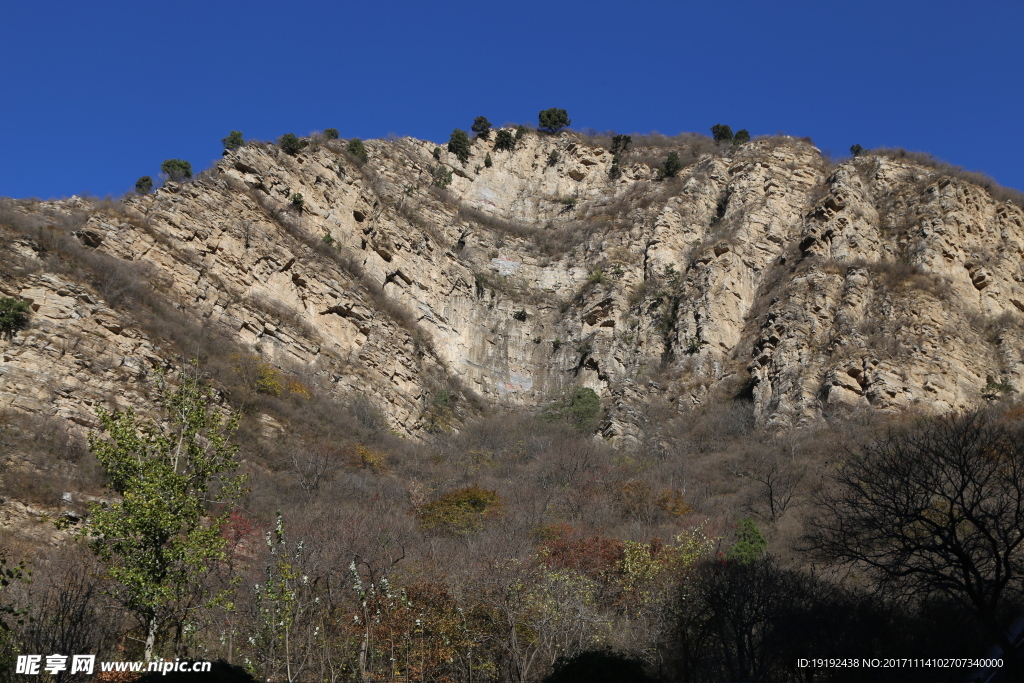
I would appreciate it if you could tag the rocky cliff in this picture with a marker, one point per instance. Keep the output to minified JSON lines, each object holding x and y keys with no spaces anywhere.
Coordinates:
{"x":763,"y":271}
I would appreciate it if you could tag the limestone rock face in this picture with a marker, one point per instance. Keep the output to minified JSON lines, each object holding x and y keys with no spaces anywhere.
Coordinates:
{"x":762,"y":271}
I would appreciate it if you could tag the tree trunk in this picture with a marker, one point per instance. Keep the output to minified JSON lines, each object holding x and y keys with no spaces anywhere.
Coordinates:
{"x":150,"y":638}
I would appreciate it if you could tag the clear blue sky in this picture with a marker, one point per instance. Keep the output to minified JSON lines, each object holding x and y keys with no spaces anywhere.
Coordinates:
{"x":97,"y":94}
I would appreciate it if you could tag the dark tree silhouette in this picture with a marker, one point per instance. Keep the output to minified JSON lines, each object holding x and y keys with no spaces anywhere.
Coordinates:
{"x":937,"y":509}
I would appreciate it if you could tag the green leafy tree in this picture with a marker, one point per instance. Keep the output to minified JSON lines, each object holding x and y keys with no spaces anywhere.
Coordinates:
{"x":176,"y":170}
{"x":742,"y":136}
{"x":750,"y":543}
{"x":553,"y":120}
{"x":482,"y":127}
{"x":13,"y":316}
{"x":856,"y":150}
{"x":504,"y":141}
{"x":458,"y":144}
{"x":721,"y":132}
{"x":234,"y":140}
{"x":672,"y":166}
{"x":159,"y":540}
{"x":331,"y":133}
{"x":290,"y":144}
{"x":144,"y":185}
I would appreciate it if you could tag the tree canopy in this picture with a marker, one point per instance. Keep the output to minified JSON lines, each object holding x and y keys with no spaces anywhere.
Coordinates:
{"x":161,"y":537}
{"x":937,"y":509}
{"x":176,"y":170}
{"x":482,"y":127}
{"x":459,"y":145}
{"x":553,"y":120}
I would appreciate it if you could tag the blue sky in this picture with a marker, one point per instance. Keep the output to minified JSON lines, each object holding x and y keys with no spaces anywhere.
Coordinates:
{"x":98,"y":94}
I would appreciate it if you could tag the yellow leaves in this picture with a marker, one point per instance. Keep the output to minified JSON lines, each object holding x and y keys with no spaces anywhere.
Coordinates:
{"x":367,"y":458}
{"x":461,"y":511}
{"x":672,"y":503}
{"x":262,"y":377}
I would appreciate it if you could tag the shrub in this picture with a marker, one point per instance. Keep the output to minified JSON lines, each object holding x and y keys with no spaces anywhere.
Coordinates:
{"x":437,"y":153}
{"x":742,"y":136}
{"x":504,"y":142}
{"x":144,"y":185}
{"x":482,"y":127}
{"x":331,"y":133}
{"x":856,"y":150}
{"x":13,"y":316}
{"x":615,"y":172}
{"x":487,"y":160}
{"x":290,"y":144}
{"x":519,"y":315}
{"x":620,"y":143}
{"x":357,"y":149}
{"x":553,"y":157}
{"x":176,"y":170}
{"x":234,"y":140}
{"x":442,"y":175}
{"x":553,"y":120}
{"x":458,"y":144}
{"x":750,"y":543}
{"x":520,"y":133}
{"x":672,"y":166}
{"x":580,"y":409}
{"x":297,"y":201}
{"x":721,"y":132}
{"x":461,"y":511}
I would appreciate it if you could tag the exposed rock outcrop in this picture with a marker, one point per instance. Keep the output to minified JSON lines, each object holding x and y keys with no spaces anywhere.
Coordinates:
{"x":763,"y":271}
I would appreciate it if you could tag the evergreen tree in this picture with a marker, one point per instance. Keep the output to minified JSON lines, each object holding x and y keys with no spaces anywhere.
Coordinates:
{"x":331,"y":133}
{"x":721,"y":132}
{"x":144,"y":185}
{"x":742,"y":136}
{"x":176,"y":170}
{"x":290,"y":144}
{"x":750,"y":543}
{"x":459,"y":145}
{"x":504,"y":142}
{"x":672,"y":166}
{"x":357,"y":149}
{"x":234,"y":140}
{"x":482,"y":127}
{"x":13,"y":316}
{"x":553,"y":120}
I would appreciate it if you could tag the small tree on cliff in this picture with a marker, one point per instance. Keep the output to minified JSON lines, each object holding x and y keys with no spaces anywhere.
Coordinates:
{"x":459,"y":145}
{"x":553,"y":120}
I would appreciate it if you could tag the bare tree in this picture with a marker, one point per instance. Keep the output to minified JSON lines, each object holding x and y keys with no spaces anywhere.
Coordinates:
{"x":935,"y":509}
